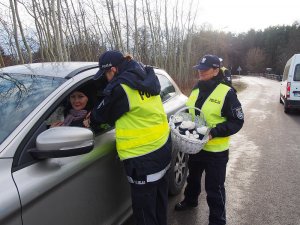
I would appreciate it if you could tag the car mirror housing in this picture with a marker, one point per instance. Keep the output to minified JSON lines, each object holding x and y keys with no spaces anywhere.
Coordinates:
{"x":63,"y":141}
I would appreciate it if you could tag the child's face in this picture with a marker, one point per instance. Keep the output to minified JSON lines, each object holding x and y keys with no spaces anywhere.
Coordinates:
{"x":78,"y":100}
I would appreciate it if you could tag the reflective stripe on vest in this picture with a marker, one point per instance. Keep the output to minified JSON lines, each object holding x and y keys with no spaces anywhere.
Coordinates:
{"x":144,"y":128}
{"x":212,"y":111}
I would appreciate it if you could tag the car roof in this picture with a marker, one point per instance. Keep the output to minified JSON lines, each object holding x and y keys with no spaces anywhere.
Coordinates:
{"x":53,"y":69}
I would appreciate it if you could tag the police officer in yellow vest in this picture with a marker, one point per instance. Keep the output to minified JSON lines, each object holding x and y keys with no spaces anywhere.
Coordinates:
{"x":132,"y":102}
{"x":224,"y":115}
{"x":226,"y":72}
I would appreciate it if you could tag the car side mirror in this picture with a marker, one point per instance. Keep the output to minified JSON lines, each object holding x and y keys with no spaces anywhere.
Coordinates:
{"x":60,"y":142}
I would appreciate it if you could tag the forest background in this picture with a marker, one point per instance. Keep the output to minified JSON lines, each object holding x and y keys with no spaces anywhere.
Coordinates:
{"x":163,"y":33}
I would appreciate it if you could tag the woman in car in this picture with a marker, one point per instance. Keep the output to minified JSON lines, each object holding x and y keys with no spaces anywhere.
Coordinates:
{"x":79,"y":104}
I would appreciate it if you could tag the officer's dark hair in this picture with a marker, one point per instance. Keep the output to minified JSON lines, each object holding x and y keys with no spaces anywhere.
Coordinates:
{"x":128,"y":57}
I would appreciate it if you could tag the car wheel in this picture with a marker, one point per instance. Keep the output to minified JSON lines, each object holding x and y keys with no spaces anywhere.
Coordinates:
{"x":177,"y":172}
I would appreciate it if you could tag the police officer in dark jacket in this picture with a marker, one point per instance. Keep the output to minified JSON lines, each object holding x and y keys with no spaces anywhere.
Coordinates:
{"x":132,"y":102}
{"x":223,"y":112}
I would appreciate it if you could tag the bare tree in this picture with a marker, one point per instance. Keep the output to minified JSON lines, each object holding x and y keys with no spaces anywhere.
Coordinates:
{"x":151,"y":27}
{"x":255,"y":60}
{"x":136,"y":37}
{"x":157,"y":32}
{"x":127,"y":26}
{"x":55,"y":15}
{"x":20,"y":55}
{"x":61,"y":32}
{"x":167,"y":35}
{"x":16,"y":11}
{"x":10,"y":46}
{"x":2,"y":64}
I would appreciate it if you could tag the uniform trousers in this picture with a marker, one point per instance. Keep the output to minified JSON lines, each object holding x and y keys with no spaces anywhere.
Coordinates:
{"x":150,"y":201}
{"x":214,"y":165}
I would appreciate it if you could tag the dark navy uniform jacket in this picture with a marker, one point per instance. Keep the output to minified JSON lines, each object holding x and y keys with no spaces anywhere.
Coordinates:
{"x":114,"y":103}
{"x":232,"y":110}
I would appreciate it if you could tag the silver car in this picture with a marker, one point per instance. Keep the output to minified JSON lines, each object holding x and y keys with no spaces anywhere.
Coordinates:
{"x":64,"y":175}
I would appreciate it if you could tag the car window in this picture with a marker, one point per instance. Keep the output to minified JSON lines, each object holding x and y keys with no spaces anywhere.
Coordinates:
{"x":54,"y":113}
{"x":59,"y":114}
{"x":167,"y":88}
{"x":20,"y":95}
{"x":297,"y":73}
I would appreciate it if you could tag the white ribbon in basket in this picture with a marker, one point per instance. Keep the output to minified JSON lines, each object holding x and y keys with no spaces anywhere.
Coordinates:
{"x":184,"y":143}
{"x":201,"y":115}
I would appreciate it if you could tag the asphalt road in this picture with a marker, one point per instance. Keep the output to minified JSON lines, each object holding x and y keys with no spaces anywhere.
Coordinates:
{"x":263,"y":179}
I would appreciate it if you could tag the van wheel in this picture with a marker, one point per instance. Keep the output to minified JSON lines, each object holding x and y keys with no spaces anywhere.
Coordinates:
{"x":178,"y":172}
{"x":287,"y":110}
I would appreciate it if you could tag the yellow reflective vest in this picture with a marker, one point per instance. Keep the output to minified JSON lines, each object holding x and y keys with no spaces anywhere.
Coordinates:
{"x":212,"y":111}
{"x":223,"y":68}
{"x":144,"y":128}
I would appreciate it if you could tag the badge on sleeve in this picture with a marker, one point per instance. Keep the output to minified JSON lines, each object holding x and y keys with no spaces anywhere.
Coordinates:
{"x":101,"y":104}
{"x":238,"y":112}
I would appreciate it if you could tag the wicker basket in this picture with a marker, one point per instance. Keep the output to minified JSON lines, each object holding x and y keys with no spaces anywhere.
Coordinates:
{"x":182,"y":142}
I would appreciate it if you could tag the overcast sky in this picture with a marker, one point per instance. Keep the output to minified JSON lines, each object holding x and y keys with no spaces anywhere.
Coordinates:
{"x":241,"y":15}
{"x":233,"y":15}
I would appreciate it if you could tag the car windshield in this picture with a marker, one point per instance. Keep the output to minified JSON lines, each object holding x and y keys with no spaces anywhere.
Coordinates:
{"x":20,"y":95}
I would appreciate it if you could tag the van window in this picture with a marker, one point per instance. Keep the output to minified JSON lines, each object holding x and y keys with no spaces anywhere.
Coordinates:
{"x":297,"y":73}
{"x":286,"y":70}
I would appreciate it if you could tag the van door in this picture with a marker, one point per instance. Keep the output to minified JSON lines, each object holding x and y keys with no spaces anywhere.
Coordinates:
{"x":295,"y":84}
{"x":285,"y":80}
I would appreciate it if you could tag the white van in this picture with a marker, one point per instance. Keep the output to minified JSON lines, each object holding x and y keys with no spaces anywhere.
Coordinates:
{"x":290,"y":85}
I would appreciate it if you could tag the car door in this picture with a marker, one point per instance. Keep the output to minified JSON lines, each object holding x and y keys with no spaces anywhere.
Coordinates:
{"x":85,"y":189}
{"x":10,"y":209}
{"x":173,"y":100}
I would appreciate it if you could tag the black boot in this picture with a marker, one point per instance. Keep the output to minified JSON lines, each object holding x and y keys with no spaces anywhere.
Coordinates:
{"x":184,"y":205}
